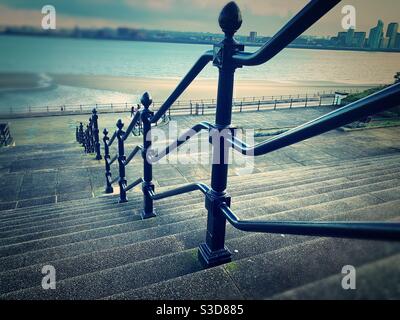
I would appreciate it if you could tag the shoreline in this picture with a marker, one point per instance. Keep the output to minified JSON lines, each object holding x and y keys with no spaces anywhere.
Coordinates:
{"x":208,"y":43}
{"x":161,"y":88}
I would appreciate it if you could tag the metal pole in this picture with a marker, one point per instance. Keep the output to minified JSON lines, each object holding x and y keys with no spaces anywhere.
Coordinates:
{"x":121,"y":162}
{"x":109,"y":188}
{"x":213,"y":252}
{"x":95,"y":118}
{"x":147,"y":185}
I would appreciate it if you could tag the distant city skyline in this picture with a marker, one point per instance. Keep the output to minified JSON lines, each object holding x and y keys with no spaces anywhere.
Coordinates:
{"x":263,"y":16}
{"x":377,"y":37}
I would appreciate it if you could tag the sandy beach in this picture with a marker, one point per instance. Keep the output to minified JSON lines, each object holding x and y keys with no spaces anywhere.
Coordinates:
{"x":161,"y":88}
{"x":199,"y":89}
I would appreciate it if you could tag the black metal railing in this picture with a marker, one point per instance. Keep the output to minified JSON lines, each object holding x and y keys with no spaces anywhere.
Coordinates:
{"x":89,"y":136}
{"x":227,"y":56}
{"x":5,"y":135}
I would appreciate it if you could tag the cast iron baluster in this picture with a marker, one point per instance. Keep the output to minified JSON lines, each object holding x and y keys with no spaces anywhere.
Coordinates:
{"x":95,"y":118}
{"x":213,"y":251}
{"x":121,"y":162}
{"x":80,"y":133}
{"x":147,"y":185}
{"x":89,"y":140}
{"x":109,"y":188}
{"x":86,"y":143}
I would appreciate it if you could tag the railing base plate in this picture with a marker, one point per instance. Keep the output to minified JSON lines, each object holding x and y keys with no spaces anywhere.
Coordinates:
{"x":145,"y":215}
{"x":109,"y":190}
{"x":210,"y":258}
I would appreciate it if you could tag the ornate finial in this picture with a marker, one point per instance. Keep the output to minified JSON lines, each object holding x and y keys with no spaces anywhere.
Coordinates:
{"x":230,"y":18}
{"x":146,"y":100}
{"x":120,"y":124}
{"x":105,"y":131}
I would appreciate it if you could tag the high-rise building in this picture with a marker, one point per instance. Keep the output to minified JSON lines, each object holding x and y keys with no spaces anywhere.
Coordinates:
{"x":391,"y":33}
{"x":341,"y":38}
{"x":349,"y":37}
{"x":397,"y":42}
{"x":359,"y":39}
{"x":253,"y":36}
{"x":384,"y":43}
{"x":375,"y":36}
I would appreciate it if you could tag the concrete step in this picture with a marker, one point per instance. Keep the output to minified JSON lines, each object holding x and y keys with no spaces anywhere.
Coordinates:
{"x":67,"y":250}
{"x":79,"y":224}
{"x":378,"y":280}
{"x":94,"y":261}
{"x":276,"y":203}
{"x":25,"y":221}
{"x":266,"y":274}
{"x":287,"y":175}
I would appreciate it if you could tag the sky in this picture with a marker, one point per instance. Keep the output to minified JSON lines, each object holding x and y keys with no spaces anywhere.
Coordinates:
{"x":263,"y":16}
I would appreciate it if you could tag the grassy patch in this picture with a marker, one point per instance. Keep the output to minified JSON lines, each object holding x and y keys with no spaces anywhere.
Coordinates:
{"x":231,"y":266}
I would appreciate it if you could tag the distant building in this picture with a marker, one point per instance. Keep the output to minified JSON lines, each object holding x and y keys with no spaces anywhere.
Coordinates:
{"x":384,"y":43}
{"x":253,"y":36}
{"x":375,"y":36}
{"x":341,"y":38}
{"x":349,"y":37}
{"x":397,"y":42}
{"x":391,"y":33}
{"x":359,"y":39}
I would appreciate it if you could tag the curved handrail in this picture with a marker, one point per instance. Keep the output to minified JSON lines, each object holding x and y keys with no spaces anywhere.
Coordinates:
{"x":110,"y":142}
{"x":185,"y":82}
{"x":183,"y":189}
{"x":377,"y":102}
{"x":132,"y":154}
{"x":306,"y":17}
{"x":111,"y":161}
{"x":133,"y":184}
{"x":132,"y":125}
{"x":364,"y":230}
{"x":152,"y":158}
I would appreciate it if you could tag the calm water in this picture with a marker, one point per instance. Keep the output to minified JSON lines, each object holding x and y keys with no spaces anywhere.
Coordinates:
{"x":165,"y":60}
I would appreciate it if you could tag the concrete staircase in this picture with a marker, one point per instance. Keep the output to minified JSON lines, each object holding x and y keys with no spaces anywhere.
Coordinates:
{"x":103,"y":250}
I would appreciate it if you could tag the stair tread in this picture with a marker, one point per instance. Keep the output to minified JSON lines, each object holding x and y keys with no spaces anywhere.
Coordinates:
{"x":241,"y":243}
{"x":375,"y":280}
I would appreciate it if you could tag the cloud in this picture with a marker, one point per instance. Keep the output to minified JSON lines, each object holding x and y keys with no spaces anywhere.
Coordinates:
{"x":279,"y":8}
{"x":29,"y":17}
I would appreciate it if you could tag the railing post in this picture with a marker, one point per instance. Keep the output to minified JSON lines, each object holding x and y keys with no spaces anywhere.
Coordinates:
{"x":121,"y":162}
{"x":213,"y":252}
{"x":109,"y":188}
{"x":86,"y":139}
{"x":80,"y":137}
{"x":90,"y":135}
{"x":305,"y":105}
{"x":95,"y":118}
{"x":77,"y":134}
{"x":147,"y":185}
